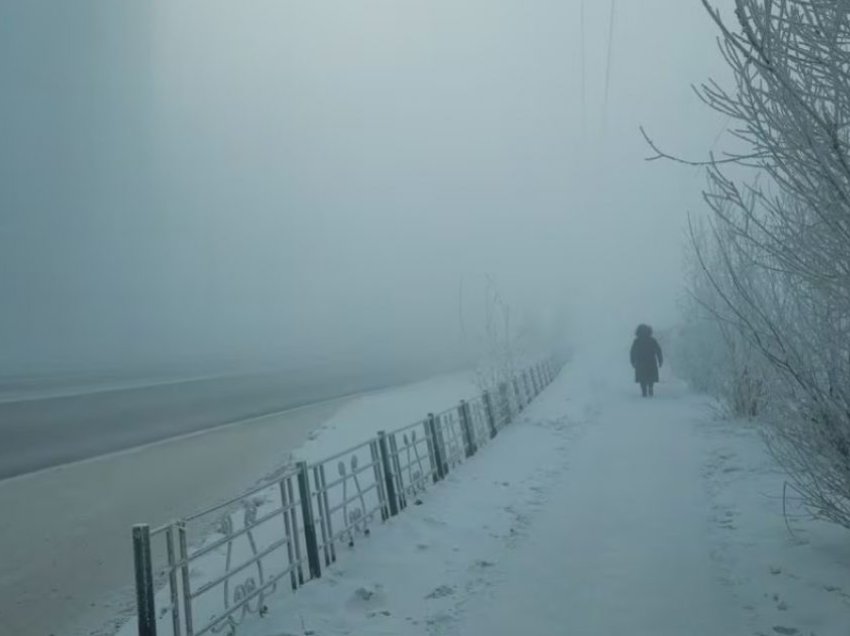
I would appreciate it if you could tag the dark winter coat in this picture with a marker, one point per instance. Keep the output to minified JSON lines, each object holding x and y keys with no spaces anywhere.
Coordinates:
{"x":646,"y":358}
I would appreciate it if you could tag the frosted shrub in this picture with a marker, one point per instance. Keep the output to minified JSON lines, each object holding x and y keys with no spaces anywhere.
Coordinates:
{"x":775,"y":254}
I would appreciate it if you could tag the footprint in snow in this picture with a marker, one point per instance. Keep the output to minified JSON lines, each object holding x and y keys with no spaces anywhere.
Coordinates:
{"x":441,"y":592}
{"x":381,"y":613}
{"x":366,"y":599}
{"x":438,"y":623}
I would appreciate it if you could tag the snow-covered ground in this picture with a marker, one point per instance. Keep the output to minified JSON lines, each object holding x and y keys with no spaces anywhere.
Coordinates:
{"x":795,"y":576}
{"x":363,"y":417}
{"x":597,"y":513}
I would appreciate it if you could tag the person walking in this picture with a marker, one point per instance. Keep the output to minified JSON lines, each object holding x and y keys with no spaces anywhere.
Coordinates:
{"x":646,"y":359}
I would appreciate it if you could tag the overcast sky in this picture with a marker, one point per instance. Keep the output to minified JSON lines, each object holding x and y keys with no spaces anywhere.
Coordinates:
{"x":210,"y":178}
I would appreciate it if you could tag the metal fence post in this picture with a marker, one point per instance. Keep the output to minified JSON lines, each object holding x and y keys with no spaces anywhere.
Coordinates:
{"x":395,"y":462}
{"x":441,"y":444}
{"x":380,"y":482}
{"x":519,"y":402}
{"x":145,"y":607}
{"x":323,"y":518}
{"x":172,"y":582}
{"x":430,"y":444}
{"x":466,"y":426}
{"x":290,"y":549}
{"x":293,"y":516}
{"x":506,"y":402}
{"x":310,"y":539}
{"x":491,"y":417}
{"x":183,"y":553}
{"x":431,"y":429}
{"x":527,"y":385}
{"x":388,"y":473}
{"x":327,"y":513}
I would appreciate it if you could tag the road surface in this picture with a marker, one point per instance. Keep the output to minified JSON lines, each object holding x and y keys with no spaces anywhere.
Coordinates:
{"x":40,"y":433}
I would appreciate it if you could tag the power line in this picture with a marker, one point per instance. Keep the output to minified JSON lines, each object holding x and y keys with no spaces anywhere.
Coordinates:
{"x":610,"y":54}
{"x":583,"y":71}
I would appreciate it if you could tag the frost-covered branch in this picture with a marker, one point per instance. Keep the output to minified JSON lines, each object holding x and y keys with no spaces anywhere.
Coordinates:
{"x":772,"y":267}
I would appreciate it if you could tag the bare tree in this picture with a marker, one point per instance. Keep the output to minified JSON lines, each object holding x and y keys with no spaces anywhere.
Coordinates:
{"x":776,"y":256}
{"x":710,"y":351}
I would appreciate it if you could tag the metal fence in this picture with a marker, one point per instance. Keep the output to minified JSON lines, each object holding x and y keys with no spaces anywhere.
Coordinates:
{"x":205,"y":573}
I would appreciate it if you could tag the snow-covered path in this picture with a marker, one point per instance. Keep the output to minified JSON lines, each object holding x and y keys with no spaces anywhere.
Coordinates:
{"x":621,"y":546}
{"x":597,"y":513}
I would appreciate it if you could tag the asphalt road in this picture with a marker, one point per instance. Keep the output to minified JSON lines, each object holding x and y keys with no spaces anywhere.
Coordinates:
{"x":42,"y":433}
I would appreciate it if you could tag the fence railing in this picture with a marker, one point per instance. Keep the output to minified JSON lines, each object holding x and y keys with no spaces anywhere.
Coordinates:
{"x":205,"y":573}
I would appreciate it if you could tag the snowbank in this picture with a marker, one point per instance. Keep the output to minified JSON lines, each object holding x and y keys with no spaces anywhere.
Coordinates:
{"x":390,"y":409}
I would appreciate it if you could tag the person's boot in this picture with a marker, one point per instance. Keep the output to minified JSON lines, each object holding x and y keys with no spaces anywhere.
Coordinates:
{"x":643,"y":390}
{"x":651,"y":391}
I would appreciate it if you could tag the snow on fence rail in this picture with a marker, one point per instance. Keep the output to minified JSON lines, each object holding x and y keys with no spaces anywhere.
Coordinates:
{"x":217,"y":566}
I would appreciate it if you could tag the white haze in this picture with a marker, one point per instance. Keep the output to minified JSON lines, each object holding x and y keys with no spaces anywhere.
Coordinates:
{"x":219,"y":181}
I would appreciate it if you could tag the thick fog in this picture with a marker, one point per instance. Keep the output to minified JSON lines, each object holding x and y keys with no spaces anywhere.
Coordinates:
{"x":211,"y":182}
